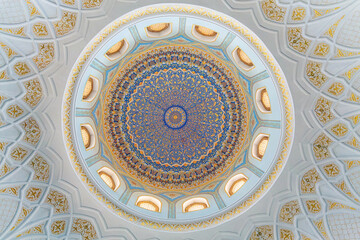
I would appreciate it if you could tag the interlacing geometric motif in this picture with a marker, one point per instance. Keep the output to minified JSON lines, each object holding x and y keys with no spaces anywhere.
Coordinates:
{"x":23,"y":90}
{"x":329,"y":189}
{"x":289,"y":211}
{"x":84,"y":227}
{"x":262,"y":232}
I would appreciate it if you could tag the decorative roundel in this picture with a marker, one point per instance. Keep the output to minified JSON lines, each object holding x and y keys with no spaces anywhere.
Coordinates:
{"x":180,"y":118}
{"x":177,"y":117}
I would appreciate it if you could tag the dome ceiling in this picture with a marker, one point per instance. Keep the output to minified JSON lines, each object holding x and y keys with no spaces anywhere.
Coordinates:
{"x":182,"y":115}
{"x":124,"y":121}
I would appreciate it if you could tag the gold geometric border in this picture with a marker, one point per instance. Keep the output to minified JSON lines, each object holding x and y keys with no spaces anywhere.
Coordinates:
{"x":215,"y":16}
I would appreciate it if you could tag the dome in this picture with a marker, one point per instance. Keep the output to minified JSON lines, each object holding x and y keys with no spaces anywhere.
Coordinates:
{"x":186,"y":111}
{"x":194,"y":120}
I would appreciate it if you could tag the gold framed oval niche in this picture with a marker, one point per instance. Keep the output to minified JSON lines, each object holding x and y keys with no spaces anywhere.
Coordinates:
{"x":204,"y":34}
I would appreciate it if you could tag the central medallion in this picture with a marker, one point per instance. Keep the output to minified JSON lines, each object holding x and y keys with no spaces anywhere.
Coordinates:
{"x":175,"y":117}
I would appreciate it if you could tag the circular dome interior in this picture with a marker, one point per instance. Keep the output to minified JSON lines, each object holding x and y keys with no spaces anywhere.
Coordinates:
{"x":177,"y":117}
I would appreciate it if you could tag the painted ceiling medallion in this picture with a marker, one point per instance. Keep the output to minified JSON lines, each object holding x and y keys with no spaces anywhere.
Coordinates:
{"x":177,"y":120}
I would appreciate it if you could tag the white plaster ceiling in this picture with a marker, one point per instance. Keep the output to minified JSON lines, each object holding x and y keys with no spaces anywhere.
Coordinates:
{"x":317,"y":195}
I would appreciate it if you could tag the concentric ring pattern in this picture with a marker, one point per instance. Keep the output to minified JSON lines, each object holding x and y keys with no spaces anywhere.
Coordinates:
{"x":183,"y":119}
{"x":175,"y":117}
{"x":194,"y":89}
